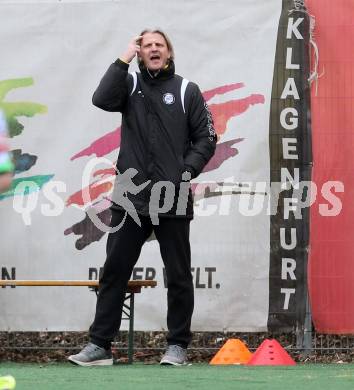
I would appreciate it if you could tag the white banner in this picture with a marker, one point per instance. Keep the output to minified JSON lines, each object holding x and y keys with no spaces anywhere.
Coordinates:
{"x":53,"y":54}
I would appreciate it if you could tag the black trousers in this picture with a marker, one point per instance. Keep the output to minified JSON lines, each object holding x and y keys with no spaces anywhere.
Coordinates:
{"x":123,"y":250}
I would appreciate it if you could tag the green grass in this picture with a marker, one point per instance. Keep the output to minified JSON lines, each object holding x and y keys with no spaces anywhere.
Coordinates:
{"x":196,"y":377}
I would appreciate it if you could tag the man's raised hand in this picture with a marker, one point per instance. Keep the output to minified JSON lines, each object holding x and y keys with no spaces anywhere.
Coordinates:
{"x":132,"y":50}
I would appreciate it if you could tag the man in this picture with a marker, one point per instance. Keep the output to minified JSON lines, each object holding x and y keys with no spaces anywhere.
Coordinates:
{"x":6,"y":165}
{"x":167,"y":139}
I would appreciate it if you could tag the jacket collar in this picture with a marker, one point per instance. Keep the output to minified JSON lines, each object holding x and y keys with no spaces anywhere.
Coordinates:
{"x":162,"y":74}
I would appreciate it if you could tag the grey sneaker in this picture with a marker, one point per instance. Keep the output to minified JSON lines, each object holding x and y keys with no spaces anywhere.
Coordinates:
{"x":92,"y":355}
{"x":175,"y":355}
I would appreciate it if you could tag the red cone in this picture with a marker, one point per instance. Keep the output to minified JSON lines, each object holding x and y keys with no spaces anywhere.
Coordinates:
{"x":271,"y":353}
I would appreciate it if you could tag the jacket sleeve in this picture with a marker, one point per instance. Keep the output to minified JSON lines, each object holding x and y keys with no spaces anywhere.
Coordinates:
{"x":113,"y":90}
{"x":202,"y":133}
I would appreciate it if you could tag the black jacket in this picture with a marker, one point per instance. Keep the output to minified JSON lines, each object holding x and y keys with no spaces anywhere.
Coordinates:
{"x":163,"y":134}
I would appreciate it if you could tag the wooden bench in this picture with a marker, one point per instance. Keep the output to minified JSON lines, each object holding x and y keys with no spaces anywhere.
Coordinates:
{"x":134,"y":287}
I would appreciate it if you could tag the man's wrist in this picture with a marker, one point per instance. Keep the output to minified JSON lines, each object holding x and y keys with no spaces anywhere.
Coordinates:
{"x":121,"y":64}
{"x":123,"y":59}
{"x":127,"y":57}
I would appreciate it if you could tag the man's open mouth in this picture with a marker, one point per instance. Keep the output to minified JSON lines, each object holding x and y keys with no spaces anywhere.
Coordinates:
{"x":154,"y":57}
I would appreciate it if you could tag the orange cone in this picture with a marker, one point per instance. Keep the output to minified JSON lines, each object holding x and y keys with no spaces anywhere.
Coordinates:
{"x":271,"y":353}
{"x":234,"y":351}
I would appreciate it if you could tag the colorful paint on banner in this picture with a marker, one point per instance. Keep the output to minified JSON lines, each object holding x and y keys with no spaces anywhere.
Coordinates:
{"x":23,"y":161}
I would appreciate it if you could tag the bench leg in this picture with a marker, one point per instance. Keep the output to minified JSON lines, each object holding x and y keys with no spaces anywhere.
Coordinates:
{"x":128,"y":310}
{"x":131,"y":330}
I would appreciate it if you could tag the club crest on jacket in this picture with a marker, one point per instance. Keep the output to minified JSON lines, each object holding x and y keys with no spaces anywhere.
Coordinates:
{"x":168,"y":98}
